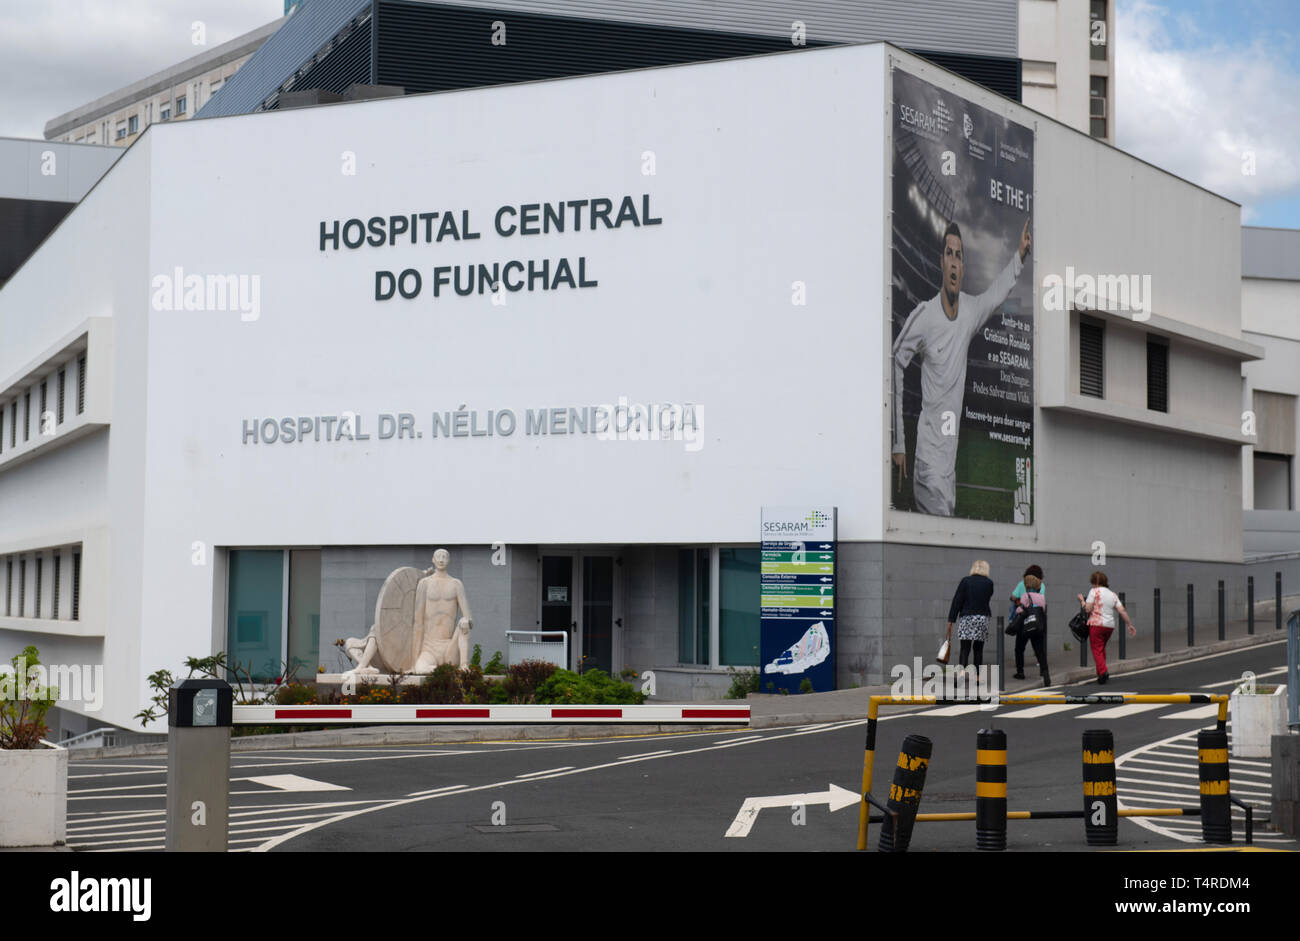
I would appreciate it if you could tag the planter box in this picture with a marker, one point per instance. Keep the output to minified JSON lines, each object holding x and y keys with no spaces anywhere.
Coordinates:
{"x":33,"y":796}
{"x":1256,"y":718}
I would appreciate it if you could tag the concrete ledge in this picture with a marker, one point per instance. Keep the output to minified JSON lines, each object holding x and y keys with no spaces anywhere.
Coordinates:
{"x":412,"y":735}
{"x":1116,"y":667}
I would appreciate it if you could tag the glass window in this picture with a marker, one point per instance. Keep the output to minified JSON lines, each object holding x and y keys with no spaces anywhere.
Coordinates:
{"x":693,"y":606}
{"x":180,"y":105}
{"x":133,"y":124}
{"x":1097,"y":27}
{"x":165,"y":114}
{"x":304,"y":612}
{"x":738,"y":615}
{"x":255,"y":611}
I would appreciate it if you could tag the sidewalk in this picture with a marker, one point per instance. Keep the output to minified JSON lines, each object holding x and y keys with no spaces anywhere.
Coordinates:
{"x":769,"y":711}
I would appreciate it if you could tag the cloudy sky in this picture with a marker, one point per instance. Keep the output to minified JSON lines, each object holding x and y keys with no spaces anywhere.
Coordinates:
{"x":1203,"y":86}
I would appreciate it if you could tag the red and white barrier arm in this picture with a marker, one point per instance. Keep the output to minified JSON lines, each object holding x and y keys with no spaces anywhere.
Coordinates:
{"x":491,"y":715}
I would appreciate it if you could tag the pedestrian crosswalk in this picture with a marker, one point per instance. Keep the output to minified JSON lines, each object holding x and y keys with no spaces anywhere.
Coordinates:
{"x":1175,"y":711}
{"x":1165,"y":774}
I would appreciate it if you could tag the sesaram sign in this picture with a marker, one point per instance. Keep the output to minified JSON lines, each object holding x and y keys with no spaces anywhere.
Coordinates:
{"x":797,"y":598}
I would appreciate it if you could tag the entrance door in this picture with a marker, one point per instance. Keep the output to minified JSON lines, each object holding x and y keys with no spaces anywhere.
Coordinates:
{"x":580,"y":594}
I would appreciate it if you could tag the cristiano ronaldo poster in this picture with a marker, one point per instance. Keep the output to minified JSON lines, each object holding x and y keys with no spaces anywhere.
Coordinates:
{"x":962,"y":359}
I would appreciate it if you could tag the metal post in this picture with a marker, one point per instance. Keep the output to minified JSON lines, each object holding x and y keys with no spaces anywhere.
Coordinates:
{"x":1216,"y":804}
{"x":1293,"y":670}
{"x":1123,"y":634}
{"x":1222,"y":627}
{"x":1191,"y":617}
{"x":1002,"y":653}
{"x":1250,"y":604}
{"x":1155,"y":620}
{"x":1277,"y":598}
{"x":905,"y":794}
{"x":198,"y":766}
{"x":991,"y":789}
{"x":1100,"y":811}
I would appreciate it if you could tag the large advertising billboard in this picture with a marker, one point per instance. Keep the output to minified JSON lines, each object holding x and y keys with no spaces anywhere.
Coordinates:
{"x":962,"y":361}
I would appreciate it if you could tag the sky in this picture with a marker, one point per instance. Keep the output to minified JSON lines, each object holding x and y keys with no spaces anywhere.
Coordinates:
{"x":1204,"y":88}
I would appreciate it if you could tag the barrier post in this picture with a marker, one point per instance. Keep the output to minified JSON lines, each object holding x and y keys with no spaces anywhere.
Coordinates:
{"x":1123,"y":635}
{"x":1250,"y":604}
{"x":905,"y":794}
{"x":1002,"y":651}
{"x":199,"y":714}
{"x":1222,"y":627}
{"x":991,"y":789}
{"x":1100,"y":810}
{"x":1293,"y":670}
{"x":1216,"y":804}
{"x":1277,"y":598}
{"x":1155,"y":619}
{"x":1191,"y":617}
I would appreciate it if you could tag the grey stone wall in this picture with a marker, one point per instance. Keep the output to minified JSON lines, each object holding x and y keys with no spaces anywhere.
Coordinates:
{"x":352,"y":576}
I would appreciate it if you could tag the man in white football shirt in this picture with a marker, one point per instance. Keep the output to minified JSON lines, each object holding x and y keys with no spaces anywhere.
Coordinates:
{"x":940,"y":331}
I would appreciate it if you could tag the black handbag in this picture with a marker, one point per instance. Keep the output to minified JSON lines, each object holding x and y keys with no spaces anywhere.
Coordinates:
{"x":1032,"y":620}
{"x":1014,"y":626}
{"x":1079,"y":625}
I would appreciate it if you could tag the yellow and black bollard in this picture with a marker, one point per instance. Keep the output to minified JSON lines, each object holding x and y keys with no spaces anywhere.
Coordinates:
{"x":1100,"y":810}
{"x":991,"y":790}
{"x":1216,"y":800}
{"x":905,"y":794}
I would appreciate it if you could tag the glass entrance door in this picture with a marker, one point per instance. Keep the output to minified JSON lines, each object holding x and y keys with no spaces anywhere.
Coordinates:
{"x":580,"y":594}
{"x":598,"y":612}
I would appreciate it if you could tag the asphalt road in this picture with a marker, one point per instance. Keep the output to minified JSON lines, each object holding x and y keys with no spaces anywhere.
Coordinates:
{"x":685,"y":791}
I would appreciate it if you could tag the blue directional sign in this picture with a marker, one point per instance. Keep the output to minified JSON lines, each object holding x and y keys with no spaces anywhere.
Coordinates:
{"x":797,"y":598}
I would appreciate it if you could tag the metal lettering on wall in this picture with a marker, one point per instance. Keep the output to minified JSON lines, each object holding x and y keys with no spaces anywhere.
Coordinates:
{"x":797,"y":598}
{"x":654,"y":421}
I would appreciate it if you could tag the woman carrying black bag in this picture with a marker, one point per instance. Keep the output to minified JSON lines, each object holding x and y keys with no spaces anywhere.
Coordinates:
{"x":970,"y":609}
{"x":1030,"y":623}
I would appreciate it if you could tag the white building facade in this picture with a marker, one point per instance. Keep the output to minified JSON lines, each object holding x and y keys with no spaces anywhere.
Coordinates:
{"x":420,"y":336}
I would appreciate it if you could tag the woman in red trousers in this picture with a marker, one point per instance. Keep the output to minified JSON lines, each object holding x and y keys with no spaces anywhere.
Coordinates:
{"x":1101,"y":605}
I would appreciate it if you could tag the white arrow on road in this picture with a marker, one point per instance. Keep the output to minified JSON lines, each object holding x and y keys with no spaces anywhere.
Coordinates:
{"x":837,"y":797}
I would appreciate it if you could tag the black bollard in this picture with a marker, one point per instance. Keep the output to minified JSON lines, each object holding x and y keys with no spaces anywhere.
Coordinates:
{"x":1250,"y":604}
{"x":1191,"y":618}
{"x":1216,"y":803}
{"x":1222,"y":627}
{"x":1277,"y":599}
{"x":1100,"y":810}
{"x":1155,"y":619}
{"x":905,"y":794}
{"x":1123,"y":634}
{"x":991,"y":789}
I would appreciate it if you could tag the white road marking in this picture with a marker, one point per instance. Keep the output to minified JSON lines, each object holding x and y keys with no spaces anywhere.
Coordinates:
{"x":1034,"y":712}
{"x":1128,"y":709}
{"x":1199,"y":714}
{"x":653,"y":754}
{"x":959,"y":710}
{"x":836,"y":797}
{"x":1237,"y":681}
{"x":533,"y":774}
{"x":293,"y":782}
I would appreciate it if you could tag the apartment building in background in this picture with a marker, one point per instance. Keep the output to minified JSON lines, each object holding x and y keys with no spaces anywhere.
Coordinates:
{"x":174,"y":94}
{"x":1067,"y":55}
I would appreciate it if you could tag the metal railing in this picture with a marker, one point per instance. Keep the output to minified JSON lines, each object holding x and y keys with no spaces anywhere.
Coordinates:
{"x":535,"y":646}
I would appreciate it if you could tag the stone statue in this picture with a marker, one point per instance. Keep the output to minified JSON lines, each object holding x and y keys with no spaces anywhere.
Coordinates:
{"x":416,"y":628}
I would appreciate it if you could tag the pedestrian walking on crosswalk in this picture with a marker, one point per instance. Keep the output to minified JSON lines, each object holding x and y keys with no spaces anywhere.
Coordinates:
{"x":1102,"y":604}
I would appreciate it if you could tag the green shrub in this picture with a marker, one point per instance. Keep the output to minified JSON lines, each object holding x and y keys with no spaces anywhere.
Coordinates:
{"x":476,"y":659}
{"x":593,"y":686}
{"x":497,"y":695}
{"x":523,"y":679}
{"x":743,"y":682}
{"x":805,"y":685}
{"x":473,"y":687}
{"x":496,"y":666}
{"x":22,"y":718}
{"x":442,"y":686}
{"x":296,"y":694}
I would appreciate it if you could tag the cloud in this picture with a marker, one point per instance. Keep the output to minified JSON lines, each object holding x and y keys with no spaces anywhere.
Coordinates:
{"x":1207,"y":111}
{"x":56,"y":55}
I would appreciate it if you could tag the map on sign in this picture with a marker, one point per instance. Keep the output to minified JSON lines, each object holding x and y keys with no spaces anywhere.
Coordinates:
{"x":797,"y":598}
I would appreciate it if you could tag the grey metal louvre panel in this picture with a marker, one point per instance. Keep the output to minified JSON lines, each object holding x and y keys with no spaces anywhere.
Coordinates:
{"x":313,"y":25}
{"x":971,"y":27}
{"x":347,"y":64}
{"x":1091,"y":362}
{"x":1270,"y":253}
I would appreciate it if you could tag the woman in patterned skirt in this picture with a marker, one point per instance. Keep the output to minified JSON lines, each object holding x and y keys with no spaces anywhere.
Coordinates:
{"x":970,"y":610}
